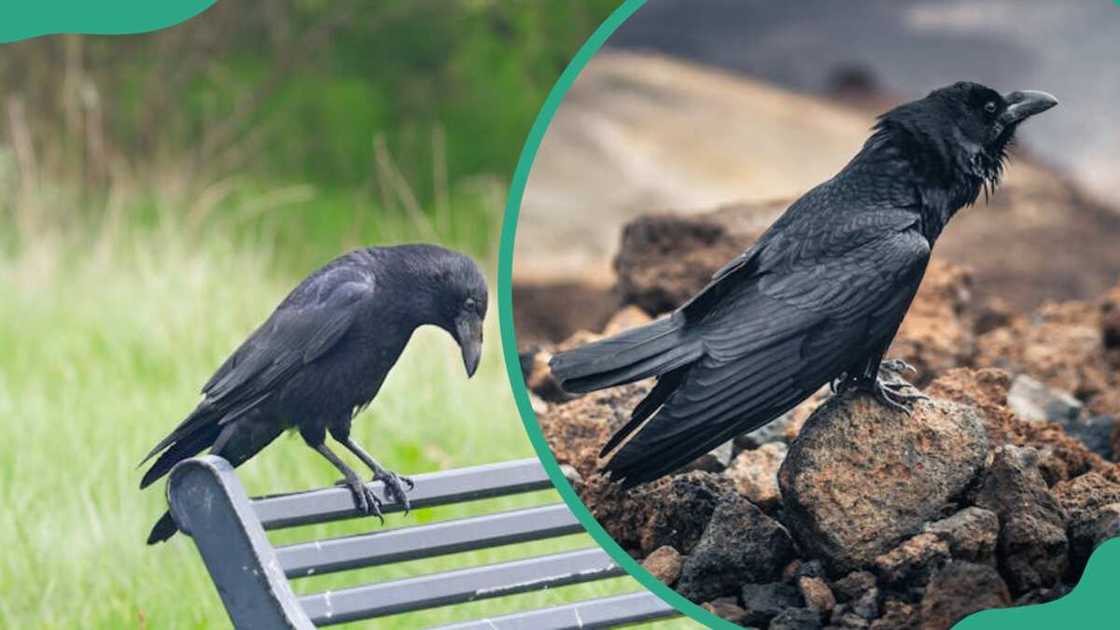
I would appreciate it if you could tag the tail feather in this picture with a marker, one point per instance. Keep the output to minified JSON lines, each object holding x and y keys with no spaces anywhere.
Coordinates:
{"x":190,"y":424}
{"x":189,"y":446}
{"x":651,"y":350}
{"x":664,"y":388}
{"x":164,"y":528}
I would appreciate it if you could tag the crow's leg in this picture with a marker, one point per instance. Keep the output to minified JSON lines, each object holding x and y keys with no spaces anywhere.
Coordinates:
{"x":883,"y":379}
{"x":364,"y":498}
{"x":394,"y":483}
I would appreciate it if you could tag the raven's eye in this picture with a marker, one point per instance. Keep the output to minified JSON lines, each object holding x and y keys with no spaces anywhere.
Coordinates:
{"x":469,"y":304}
{"x":990,"y":107}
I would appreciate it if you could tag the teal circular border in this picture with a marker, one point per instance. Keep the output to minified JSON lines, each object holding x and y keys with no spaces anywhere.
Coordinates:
{"x":23,"y":19}
{"x":1087,"y":606}
{"x":509,"y":338}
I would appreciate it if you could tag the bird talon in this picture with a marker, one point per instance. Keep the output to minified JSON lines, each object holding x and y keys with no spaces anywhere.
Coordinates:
{"x":365,"y":500}
{"x":890,"y":394}
{"x":394,"y":487}
{"x":898,"y":366}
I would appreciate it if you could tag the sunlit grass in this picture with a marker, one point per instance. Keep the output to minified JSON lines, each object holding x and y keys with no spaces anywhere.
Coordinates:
{"x":102,"y":351}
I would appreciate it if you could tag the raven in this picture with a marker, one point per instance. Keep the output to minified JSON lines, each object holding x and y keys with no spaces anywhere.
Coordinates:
{"x":817,"y":299}
{"x":322,"y":356}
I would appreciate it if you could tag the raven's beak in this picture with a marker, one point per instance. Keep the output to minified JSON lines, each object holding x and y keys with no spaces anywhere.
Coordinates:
{"x":468,"y":331}
{"x":1024,"y":104}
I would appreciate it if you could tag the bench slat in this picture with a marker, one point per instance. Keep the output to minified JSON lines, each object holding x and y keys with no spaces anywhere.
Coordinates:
{"x":425,"y":541}
{"x":453,"y":587}
{"x":438,"y":488}
{"x":594,"y":613}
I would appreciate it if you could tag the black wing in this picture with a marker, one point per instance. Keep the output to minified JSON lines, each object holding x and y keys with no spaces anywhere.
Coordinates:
{"x":307,"y":325}
{"x":807,"y":311}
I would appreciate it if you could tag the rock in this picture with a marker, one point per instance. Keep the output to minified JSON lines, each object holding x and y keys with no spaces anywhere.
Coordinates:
{"x":897,"y":615}
{"x":1107,"y":525}
{"x":1095,"y":432}
{"x":1061,"y":345}
{"x":958,"y":590}
{"x":1034,"y":401}
{"x":726,"y":608}
{"x":673,"y":511}
{"x":664,"y":259}
{"x":912,"y":562}
{"x":763,"y":602}
{"x":1062,"y":457}
{"x":853,"y":585}
{"x":798,"y":568}
{"x":971,"y":534}
{"x":1041,"y":595}
{"x":538,"y":376}
{"x":816,"y":594}
{"x":1032,"y":544}
{"x":861,"y":477}
{"x":846,"y":619}
{"x":1084,"y":499}
{"x":1107,"y":403}
{"x":625,"y":319}
{"x":714,"y":460}
{"x":867,"y":604}
{"x":741,"y":545}
{"x":755,"y":474}
{"x":664,"y":564}
{"x":577,"y":430}
{"x":796,"y":619}
{"x":680,"y":509}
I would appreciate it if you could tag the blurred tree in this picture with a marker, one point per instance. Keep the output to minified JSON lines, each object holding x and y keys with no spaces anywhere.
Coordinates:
{"x":405,"y":99}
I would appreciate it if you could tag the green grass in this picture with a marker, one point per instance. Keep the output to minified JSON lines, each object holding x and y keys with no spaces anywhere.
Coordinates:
{"x":103,"y":346}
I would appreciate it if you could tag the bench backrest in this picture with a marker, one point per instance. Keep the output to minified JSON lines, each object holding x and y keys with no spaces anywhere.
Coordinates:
{"x":252,"y":576}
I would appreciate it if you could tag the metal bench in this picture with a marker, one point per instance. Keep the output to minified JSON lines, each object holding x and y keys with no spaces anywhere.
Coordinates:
{"x":252,"y":576}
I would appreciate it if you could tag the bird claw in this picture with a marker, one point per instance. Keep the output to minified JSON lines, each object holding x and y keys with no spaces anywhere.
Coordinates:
{"x":898,"y":366}
{"x":890,"y":394}
{"x":365,"y":500}
{"x":394,"y":487}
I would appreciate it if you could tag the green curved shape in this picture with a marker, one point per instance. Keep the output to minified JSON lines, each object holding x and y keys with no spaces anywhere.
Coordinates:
{"x":1089,"y":605}
{"x":509,"y":339}
{"x":1086,"y":606}
{"x":23,"y":19}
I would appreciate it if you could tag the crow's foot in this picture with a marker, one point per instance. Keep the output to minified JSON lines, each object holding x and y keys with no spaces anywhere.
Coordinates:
{"x":892,"y":394}
{"x":394,"y":486}
{"x":897,"y":366}
{"x":365,"y":501}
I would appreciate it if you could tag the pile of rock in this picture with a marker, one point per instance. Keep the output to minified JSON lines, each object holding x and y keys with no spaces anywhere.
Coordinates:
{"x":869,"y":519}
{"x":846,"y":514}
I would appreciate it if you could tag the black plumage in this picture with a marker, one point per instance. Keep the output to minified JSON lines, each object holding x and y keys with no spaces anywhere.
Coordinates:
{"x":322,"y":356}
{"x":820,"y":296}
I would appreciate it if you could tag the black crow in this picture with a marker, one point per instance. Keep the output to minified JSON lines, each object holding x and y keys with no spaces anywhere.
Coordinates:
{"x":817,"y":299}
{"x":321,"y":357}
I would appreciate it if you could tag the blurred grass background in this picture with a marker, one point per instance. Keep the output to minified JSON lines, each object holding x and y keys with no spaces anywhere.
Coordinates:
{"x":160,"y":193}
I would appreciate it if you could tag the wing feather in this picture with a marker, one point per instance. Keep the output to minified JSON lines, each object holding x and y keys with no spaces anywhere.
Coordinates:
{"x":774,"y":341}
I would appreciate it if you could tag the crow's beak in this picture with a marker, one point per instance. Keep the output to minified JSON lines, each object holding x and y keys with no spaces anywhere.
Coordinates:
{"x":468,"y":331}
{"x":1022,"y":105}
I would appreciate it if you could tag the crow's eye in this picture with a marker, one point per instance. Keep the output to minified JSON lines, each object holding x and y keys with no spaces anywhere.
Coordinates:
{"x":990,"y":107}
{"x":469,"y":304}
